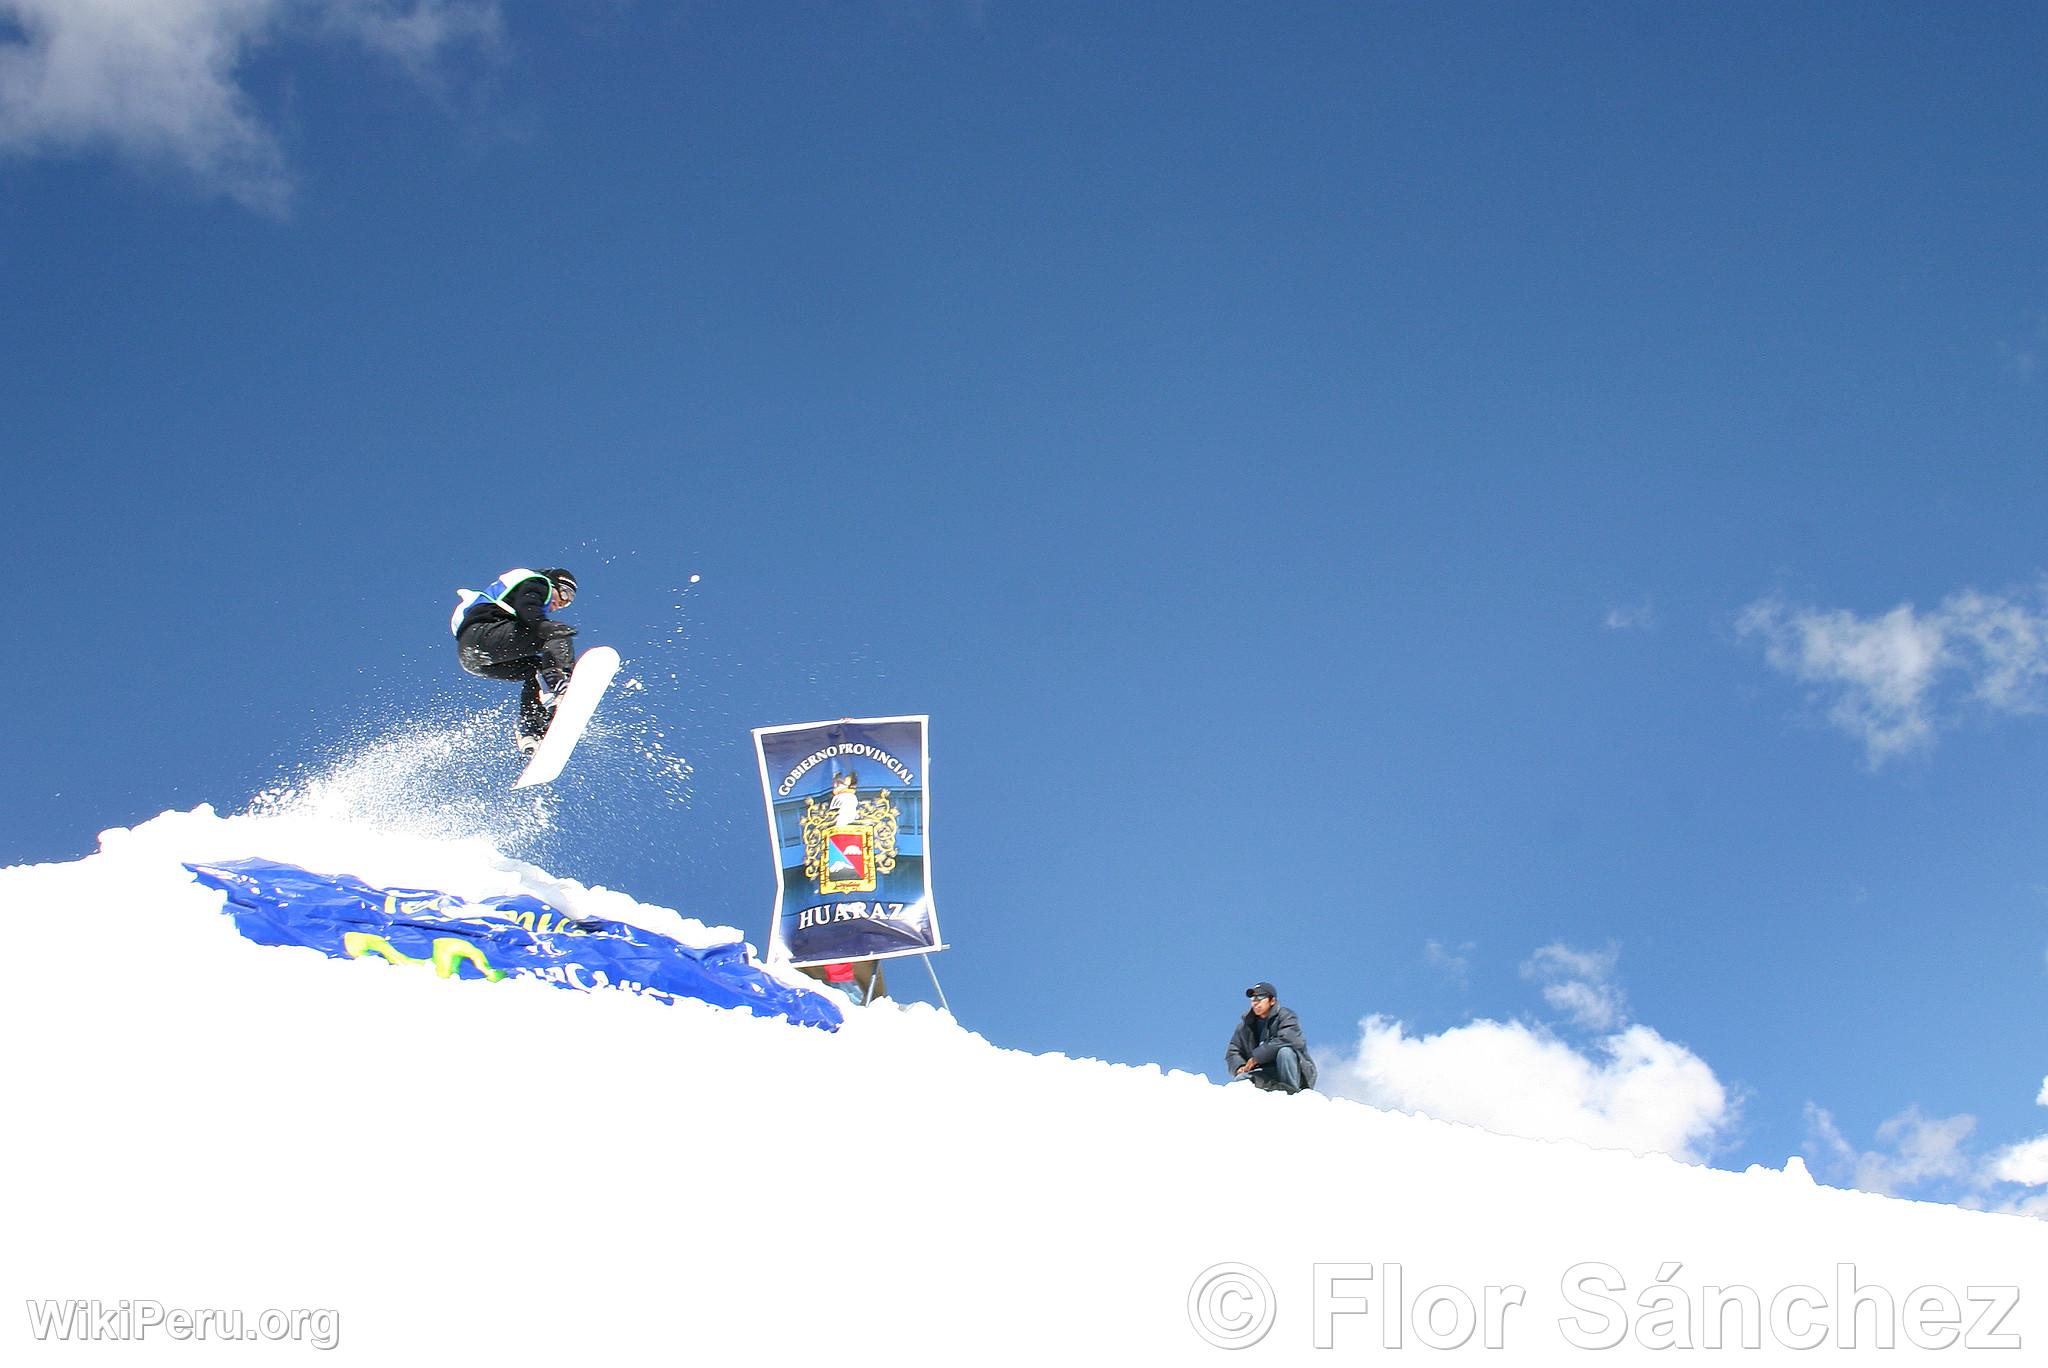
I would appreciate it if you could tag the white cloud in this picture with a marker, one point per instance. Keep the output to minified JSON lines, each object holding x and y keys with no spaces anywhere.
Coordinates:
{"x":1455,"y":965}
{"x":2026,"y":1162}
{"x":1891,"y":680}
{"x":1923,"y":1147}
{"x":1639,"y":616}
{"x":1634,"y":1090}
{"x":1929,"y":1157}
{"x":413,"y":33}
{"x":157,"y":81}
{"x":2023,"y":358}
{"x":1879,"y":671}
{"x":2035,"y":1205}
{"x":1580,"y":984}
{"x":1628,"y":1089}
{"x":1919,"y":1149}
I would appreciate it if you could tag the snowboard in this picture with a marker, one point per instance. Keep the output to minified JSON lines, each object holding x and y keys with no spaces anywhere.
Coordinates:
{"x":587,"y":683}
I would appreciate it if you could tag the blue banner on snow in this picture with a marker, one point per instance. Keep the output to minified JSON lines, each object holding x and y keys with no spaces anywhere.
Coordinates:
{"x":515,"y":936}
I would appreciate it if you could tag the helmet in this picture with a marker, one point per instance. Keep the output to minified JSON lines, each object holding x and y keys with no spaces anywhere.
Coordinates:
{"x":563,"y":582}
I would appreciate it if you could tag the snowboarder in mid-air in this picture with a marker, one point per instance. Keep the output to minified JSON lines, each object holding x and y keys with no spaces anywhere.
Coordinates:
{"x":504,"y":632}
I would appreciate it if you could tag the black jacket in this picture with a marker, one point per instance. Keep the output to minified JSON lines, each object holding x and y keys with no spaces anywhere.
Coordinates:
{"x":1259,"y":1040}
{"x":512,"y":636}
{"x":527,"y":601}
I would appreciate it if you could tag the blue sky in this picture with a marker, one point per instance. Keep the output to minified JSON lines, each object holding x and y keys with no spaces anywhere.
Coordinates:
{"x":1478,"y":514}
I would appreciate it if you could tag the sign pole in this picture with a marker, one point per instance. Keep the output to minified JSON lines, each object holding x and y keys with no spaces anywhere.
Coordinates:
{"x":935,"y":984}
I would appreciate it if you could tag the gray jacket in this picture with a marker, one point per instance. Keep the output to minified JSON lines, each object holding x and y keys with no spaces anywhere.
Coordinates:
{"x":1259,"y":1040}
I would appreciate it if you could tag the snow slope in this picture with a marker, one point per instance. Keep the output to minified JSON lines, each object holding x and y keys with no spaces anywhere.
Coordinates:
{"x":472,"y":1172}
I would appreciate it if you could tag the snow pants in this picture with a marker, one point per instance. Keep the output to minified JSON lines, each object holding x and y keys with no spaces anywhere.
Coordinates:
{"x":508,"y":649}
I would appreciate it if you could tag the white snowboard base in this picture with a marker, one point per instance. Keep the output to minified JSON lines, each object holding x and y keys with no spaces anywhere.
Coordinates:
{"x":587,"y":683}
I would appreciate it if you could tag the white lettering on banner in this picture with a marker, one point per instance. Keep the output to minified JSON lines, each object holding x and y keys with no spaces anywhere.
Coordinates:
{"x":826,"y":913}
{"x":862,"y":749}
{"x":574,"y":975}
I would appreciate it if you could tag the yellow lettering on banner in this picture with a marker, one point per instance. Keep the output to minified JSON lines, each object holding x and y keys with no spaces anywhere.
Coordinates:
{"x":448,"y":954}
{"x":360,"y":943}
{"x":449,"y":951}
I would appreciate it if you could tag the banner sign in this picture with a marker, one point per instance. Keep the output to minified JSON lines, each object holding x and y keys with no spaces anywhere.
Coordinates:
{"x":849,"y":812}
{"x":515,"y":936}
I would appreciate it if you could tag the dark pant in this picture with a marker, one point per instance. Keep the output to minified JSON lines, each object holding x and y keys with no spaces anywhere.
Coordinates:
{"x":1282,"y":1075}
{"x":508,"y":649}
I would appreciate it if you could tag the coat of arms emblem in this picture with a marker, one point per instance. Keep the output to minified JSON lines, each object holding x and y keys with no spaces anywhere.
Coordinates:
{"x":848,"y":843}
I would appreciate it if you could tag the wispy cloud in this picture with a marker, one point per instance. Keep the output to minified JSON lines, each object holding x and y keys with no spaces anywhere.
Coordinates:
{"x":1914,"y":1149}
{"x":1930,"y":1157}
{"x":156,"y":82}
{"x":1892,"y":680}
{"x":415,"y":34}
{"x":1628,"y":1089}
{"x":1580,"y":984}
{"x":1631,"y":617}
{"x":2023,"y":357}
{"x":1453,"y":964}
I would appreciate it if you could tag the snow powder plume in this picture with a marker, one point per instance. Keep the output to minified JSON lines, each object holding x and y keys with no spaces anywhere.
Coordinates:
{"x":628,"y":728}
{"x":428,"y":777}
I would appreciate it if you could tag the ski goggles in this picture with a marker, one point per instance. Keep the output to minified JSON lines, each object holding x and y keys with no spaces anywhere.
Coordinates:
{"x":564,"y":592}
